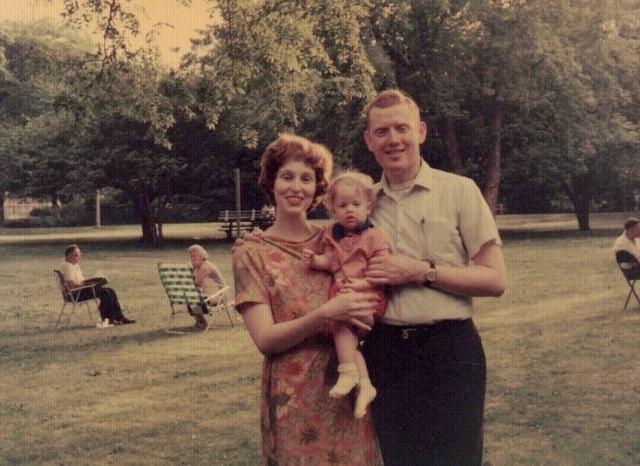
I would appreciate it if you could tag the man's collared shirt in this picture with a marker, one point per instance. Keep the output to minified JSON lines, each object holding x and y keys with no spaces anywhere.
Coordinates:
{"x":623,"y":243}
{"x":444,"y":219}
{"x":72,"y":272}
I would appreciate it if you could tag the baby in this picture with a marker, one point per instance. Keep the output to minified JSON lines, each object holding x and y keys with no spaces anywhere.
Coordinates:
{"x":348,"y":246}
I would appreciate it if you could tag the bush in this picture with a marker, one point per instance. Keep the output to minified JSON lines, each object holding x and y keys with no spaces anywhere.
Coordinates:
{"x":42,"y":212}
{"x":73,"y":214}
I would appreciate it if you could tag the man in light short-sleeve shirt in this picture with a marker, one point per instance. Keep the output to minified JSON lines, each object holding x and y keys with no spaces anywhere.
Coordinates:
{"x":452,"y":220}
{"x":110,"y":310}
{"x":629,"y":240}
{"x":426,"y":358}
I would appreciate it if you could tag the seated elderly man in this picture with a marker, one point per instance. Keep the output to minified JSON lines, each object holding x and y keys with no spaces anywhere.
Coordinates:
{"x":629,"y":240}
{"x":109,"y":305}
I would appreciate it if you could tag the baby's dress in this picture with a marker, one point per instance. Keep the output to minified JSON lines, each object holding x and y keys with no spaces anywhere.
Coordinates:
{"x":351,"y":254}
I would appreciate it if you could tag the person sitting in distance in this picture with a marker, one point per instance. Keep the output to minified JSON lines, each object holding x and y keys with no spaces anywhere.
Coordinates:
{"x":110,"y":310}
{"x":208,"y":280}
{"x":629,"y":240}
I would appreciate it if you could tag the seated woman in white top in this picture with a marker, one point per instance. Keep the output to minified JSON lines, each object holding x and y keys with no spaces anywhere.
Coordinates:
{"x":208,"y":279}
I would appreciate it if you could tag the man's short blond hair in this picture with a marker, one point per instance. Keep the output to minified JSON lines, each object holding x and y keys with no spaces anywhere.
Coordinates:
{"x":391,"y":97}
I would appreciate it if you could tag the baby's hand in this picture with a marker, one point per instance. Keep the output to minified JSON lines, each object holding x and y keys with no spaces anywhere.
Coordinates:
{"x":343,"y":284}
{"x":307,"y":256}
{"x":355,"y":284}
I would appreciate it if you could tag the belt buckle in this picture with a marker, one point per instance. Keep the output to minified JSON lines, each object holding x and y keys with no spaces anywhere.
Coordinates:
{"x":405,"y":333}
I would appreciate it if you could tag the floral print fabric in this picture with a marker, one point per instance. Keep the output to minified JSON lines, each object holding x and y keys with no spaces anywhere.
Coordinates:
{"x":300,"y":424}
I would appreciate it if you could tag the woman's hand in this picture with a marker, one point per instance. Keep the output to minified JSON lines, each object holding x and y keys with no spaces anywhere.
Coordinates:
{"x":350,"y":306}
{"x":252,"y":236}
{"x":307,"y":256}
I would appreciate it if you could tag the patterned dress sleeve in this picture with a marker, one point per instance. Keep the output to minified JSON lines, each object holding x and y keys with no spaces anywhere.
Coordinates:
{"x":248,"y":274}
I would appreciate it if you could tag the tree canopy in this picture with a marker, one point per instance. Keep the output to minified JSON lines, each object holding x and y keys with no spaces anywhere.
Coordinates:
{"x":536,"y":101}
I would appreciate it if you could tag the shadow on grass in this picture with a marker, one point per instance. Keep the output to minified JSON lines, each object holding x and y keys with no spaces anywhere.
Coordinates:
{"x":104,"y":339}
{"x":120,"y":244}
{"x":518,"y":234}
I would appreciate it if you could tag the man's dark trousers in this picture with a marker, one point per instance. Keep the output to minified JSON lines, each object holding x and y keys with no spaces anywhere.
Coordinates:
{"x":431,"y":385}
{"x":109,"y":304}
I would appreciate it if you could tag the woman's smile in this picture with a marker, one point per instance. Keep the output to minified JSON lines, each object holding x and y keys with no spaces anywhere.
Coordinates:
{"x":295,"y":186}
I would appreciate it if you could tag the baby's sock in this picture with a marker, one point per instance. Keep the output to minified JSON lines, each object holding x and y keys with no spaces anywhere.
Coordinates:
{"x":366,"y":394}
{"x":347,"y":379}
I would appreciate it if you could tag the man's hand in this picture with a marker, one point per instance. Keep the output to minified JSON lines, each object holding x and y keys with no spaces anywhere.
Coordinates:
{"x":394,"y":269}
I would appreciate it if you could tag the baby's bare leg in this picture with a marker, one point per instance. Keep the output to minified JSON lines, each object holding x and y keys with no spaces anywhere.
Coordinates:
{"x":346,"y":343}
{"x":347,"y":349}
{"x":366,"y":391}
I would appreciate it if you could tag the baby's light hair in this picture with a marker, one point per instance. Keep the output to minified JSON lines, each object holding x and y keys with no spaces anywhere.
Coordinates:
{"x":358,"y":180}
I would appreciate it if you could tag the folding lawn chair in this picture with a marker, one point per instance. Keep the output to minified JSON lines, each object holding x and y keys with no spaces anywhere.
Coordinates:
{"x":630,"y":268}
{"x":74,"y":299}
{"x":179,"y":283}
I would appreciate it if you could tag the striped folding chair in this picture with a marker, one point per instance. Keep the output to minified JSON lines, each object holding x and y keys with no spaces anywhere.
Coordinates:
{"x":179,"y":283}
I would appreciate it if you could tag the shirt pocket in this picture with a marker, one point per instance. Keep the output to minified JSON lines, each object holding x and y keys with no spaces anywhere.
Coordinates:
{"x":443,"y":243}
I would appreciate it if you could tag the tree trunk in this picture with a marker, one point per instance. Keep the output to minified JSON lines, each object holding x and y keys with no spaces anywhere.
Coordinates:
{"x":453,"y":148}
{"x":492,"y":180}
{"x":147,"y":220}
{"x":581,"y":200}
{"x":55,"y":204}
{"x":163,"y":207}
{"x":582,"y":212}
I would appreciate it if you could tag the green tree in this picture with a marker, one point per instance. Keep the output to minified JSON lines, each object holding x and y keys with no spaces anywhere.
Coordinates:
{"x":587,"y":84}
{"x":549,"y":86}
{"x":123,"y":108}
{"x":287,"y":65}
{"x":463,"y":62}
{"x":34,"y":61}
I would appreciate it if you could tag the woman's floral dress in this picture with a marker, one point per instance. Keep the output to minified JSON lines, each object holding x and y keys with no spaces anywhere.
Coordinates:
{"x":300,"y":424}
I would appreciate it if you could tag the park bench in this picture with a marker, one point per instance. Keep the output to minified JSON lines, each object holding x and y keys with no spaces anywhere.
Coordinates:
{"x":249,"y":220}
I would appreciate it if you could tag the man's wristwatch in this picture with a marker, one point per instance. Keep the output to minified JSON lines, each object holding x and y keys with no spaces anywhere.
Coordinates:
{"x":431,"y":275}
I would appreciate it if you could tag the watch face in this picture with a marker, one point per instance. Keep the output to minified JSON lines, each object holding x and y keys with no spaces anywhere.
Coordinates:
{"x":431,"y":275}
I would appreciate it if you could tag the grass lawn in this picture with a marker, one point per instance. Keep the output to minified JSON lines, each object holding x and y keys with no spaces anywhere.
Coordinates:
{"x":563,"y":359}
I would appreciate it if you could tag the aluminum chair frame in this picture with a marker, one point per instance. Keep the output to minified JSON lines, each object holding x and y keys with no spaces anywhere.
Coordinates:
{"x":71,"y":297}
